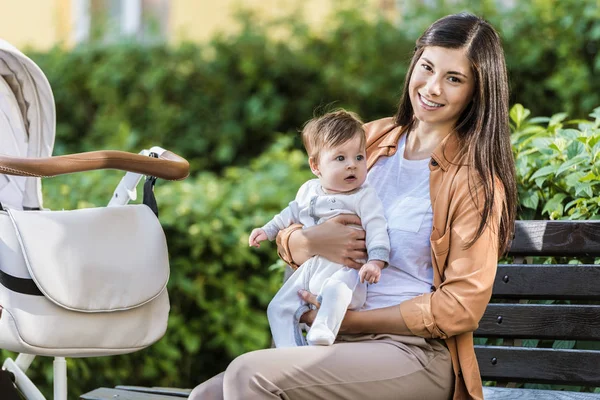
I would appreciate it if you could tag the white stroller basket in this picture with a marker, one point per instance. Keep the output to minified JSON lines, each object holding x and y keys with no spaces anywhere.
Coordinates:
{"x":72,"y":283}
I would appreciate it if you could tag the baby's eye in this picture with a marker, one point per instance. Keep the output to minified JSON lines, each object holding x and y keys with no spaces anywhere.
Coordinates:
{"x":340,"y":158}
{"x":360,"y":157}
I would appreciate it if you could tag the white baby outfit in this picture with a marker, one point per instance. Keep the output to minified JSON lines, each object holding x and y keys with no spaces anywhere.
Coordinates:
{"x":338,"y":286}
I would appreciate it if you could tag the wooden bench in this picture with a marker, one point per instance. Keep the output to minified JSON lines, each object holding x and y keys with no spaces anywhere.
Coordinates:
{"x":530,"y":303}
{"x":540,"y":303}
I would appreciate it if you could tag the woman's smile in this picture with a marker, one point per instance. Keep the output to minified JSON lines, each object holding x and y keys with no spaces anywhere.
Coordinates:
{"x":427,"y":104}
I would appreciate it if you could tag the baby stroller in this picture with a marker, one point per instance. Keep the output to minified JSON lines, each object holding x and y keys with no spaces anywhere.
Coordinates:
{"x":79,"y":283}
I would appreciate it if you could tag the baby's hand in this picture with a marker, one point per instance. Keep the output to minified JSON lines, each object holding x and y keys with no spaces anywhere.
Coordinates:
{"x":256,"y":236}
{"x":370,"y":272}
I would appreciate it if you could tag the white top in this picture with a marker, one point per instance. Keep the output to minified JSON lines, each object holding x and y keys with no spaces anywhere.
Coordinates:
{"x":403,"y":187}
{"x":313,"y":206}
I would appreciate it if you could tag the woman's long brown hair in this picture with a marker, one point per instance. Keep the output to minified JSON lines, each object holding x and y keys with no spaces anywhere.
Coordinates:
{"x":483,"y":127}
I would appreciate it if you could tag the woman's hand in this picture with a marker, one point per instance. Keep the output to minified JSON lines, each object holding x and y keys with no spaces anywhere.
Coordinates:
{"x":381,"y":320}
{"x":309,"y":317}
{"x":337,"y":241}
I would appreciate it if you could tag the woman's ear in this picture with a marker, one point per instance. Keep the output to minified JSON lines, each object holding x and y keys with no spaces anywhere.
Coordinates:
{"x":314,"y":166}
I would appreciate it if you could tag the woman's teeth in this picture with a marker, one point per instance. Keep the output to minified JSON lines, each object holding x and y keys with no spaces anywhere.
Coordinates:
{"x":430,"y":103}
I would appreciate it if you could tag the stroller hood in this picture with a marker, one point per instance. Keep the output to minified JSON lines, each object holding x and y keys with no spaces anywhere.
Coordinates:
{"x":27,"y":123}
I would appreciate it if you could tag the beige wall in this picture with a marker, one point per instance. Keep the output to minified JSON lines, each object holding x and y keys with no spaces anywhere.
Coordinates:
{"x":43,"y":23}
{"x":199,"y":20}
{"x":34,"y":23}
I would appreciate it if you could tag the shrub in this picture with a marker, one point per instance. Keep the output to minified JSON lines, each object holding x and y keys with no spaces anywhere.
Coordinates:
{"x":558,"y":165}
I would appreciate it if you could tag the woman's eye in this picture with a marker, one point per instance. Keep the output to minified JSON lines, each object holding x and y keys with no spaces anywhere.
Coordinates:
{"x":360,"y":157}
{"x":340,"y":158}
{"x":426,"y":67}
{"x":454,"y":79}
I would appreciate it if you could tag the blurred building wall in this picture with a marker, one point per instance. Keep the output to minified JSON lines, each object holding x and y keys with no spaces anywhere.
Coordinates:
{"x":41,"y":24}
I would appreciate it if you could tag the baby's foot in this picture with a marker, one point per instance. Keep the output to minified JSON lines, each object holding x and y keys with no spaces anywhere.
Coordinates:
{"x":320,"y":335}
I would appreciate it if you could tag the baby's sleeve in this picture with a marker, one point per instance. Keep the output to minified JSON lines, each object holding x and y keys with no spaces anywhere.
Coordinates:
{"x":371,"y":213}
{"x":288,"y":216}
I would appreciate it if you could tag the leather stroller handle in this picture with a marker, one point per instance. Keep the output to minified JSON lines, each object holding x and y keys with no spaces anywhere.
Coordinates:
{"x":167,"y":166}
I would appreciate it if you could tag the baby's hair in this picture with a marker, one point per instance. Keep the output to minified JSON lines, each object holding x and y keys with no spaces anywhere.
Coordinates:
{"x":331,"y":130}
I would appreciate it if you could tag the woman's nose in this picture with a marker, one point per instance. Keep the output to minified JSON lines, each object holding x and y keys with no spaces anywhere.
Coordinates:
{"x":433,"y":87}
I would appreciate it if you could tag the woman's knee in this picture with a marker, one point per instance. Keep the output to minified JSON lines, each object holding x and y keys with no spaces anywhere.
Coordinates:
{"x":211,"y":389}
{"x":242,"y":368}
{"x":249,"y":376}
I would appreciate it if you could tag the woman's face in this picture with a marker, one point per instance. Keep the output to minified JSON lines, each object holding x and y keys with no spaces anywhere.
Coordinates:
{"x":441,"y":86}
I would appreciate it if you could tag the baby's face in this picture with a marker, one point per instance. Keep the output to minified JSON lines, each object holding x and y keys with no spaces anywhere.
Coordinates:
{"x":343,"y":168}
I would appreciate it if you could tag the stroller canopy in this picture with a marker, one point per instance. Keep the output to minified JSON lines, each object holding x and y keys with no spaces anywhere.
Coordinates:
{"x":27,"y":123}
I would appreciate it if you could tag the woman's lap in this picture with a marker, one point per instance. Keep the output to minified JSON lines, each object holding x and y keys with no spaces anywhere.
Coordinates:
{"x":381,"y":367}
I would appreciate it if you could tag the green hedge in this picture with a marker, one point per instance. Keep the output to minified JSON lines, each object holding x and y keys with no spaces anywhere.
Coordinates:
{"x":558,"y":165}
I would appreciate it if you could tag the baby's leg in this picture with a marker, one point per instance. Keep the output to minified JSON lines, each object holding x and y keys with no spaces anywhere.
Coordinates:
{"x":282,"y":310}
{"x":341,"y":290}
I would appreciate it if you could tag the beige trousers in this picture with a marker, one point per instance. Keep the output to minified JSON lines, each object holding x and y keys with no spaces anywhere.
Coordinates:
{"x":372,"y":367}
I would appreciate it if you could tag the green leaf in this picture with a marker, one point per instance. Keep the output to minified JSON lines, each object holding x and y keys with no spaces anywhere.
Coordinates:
{"x":518,"y":114}
{"x":530,"y":200}
{"x":544,"y":171}
{"x":576,"y":148}
{"x":539,"y":120}
{"x":589,"y":177}
{"x":555,"y":204}
{"x":595,"y":113}
{"x":572,"y":179}
{"x":572,"y":203}
{"x":557,"y":118}
{"x":584,"y":188}
{"x":571,"y":163}
{"x":530,"y":342}
{"x":563,"y":344}
{"x":559,"y":144}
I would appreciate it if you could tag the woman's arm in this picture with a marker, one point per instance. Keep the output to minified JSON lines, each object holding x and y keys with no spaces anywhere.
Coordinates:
{"x":381,"y":320}
{"x":333,"y":239}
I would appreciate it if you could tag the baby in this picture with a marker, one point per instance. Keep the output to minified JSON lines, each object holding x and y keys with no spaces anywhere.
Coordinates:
{"x":335,"y":144}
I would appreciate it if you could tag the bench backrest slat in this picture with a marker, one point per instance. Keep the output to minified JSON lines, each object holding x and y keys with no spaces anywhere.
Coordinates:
{"x":540,"y":321}
{"x":572,"y":312}
{"x":568,"y":367}
{"x":534,"y":281}
{"x":556,"y":238}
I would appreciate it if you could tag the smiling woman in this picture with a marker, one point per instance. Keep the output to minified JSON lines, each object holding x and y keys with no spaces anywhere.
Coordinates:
{"x":443,"y":170}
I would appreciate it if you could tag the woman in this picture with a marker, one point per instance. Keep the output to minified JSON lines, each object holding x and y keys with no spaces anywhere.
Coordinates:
{"x":444,"y":171}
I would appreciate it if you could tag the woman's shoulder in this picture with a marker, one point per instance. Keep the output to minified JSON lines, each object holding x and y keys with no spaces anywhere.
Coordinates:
{"x":377,"y":129}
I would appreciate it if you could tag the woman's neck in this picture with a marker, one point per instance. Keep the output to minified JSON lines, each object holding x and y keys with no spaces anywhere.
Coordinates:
{"x":422,"y":141}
